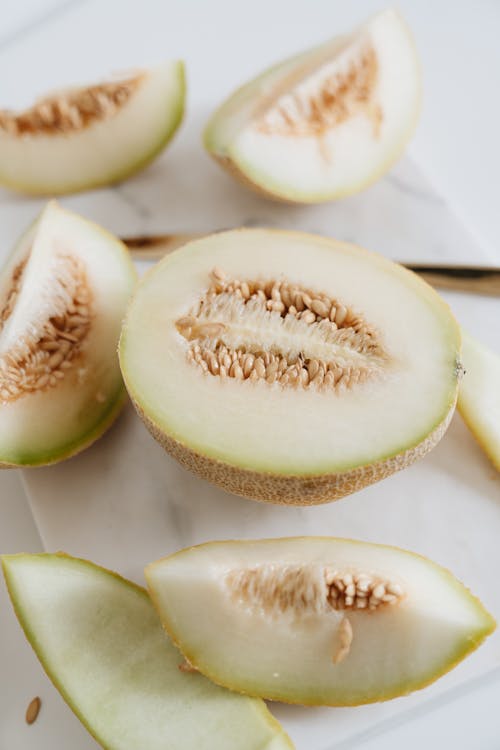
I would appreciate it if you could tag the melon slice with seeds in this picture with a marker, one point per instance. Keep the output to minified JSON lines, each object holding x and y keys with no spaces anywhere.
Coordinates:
{"x":316,"y":620}
{"x":288,"y":367}
{"x":327,"y":122}
{"x":63,"y":294}
{"x":479,"y":396}
{"x":94,"y":135}
{"x":101,"y":643}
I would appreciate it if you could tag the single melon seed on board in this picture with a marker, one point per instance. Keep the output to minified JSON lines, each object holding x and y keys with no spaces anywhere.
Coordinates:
{"x":249,"y":330}
{"x":33,"y":710}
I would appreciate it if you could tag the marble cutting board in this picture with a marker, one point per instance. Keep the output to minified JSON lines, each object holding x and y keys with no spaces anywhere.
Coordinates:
{"x":124,"y":502}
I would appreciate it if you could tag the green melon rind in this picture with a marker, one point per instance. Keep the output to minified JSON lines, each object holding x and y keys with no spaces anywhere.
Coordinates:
{"x":489,"y":625}
{"x":435,"y":301}
{"x":117,"y":402}
{"x":280,"y":741}
{"x":172,"y":122}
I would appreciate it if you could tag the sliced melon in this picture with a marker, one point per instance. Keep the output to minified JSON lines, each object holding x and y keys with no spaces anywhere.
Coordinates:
{"x":327,"y":122}
{"x":288,"y":367}
{"x":63,"y":295}
{"x":316,"y":620}
{"x":479,"y":396}
{"x":95,"y":135}
{"x":101,"y":643}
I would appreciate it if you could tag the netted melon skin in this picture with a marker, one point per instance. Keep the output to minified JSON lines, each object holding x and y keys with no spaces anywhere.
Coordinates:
{"x":281,"y":489}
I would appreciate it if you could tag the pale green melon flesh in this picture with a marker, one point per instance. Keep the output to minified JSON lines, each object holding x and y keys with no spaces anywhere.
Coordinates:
{"x":262,"y":130}
{"x":54,"y":422}
{"x":101,"y":643}
{"x":479,"y":396}
{"x":293,"y":432}
{"x":106,"y":150}
{"x":288,"y":655}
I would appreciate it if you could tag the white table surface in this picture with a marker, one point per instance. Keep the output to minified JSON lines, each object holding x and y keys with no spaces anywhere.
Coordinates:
{"x":44,"y":43}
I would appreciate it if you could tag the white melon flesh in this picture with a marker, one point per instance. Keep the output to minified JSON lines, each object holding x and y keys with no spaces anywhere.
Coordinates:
{"x":325,"y":123}
{"x":479,"y":396}
{"x":96,"y":135}
{"x":275,"y":631}
{"x":287,"y":442}
{"x":49,"y":411}
{"x":101,"y":643}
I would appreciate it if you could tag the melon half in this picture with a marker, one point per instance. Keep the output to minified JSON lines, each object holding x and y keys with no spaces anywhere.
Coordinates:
{"x":85,"y":137}
{"x":63,"y":295}
{"x":316,"y":620}
{"x":289,"y":367}
{"x":326,"y":123}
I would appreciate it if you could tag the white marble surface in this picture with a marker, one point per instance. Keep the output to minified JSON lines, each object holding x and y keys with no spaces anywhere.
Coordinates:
{"x":47,"y":42}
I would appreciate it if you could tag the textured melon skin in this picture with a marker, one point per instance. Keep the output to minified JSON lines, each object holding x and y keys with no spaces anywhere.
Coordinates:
{"x":292,"y":490}
{"x":469,"y":645}
{"x":128,"y":170}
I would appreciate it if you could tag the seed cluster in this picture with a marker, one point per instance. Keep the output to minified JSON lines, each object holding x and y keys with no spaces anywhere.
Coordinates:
{"x":229,"y":326}
{"x":360,"y":590}
{"x":342,"y":95}
{"x":302,"y":589}
{"x":41,"y":358}
{"x":71,"y":110}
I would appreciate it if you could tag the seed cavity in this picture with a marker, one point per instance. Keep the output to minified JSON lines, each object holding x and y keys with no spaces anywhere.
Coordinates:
{"x":311,"y":109}
{"x":311,"y":589}
{"x":279,"y":332}
{"x":70,"y":111}
{"x":50,"y":345}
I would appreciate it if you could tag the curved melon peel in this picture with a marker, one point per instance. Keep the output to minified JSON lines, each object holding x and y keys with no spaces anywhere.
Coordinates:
{"x":479,"y":396}
{"x":91,"y":136}
{"x":63,"y":294}
{"x":326,"y":123}
{"x":99,"y":640}
{"x":316,"y":620}
{"x":280,"y":403}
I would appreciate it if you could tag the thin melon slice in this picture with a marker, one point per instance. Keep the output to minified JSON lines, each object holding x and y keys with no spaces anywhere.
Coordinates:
{"x":316,"y":620}
{"x":288,"y":367}
{"x":63,"y":294}
{"x":327,"y":122}
{"x":479,"y":396}
{"x":94,"y":135}
{"x":101,"y":643}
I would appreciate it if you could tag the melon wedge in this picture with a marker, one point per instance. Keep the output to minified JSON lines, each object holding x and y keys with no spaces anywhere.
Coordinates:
{"x":63,"y":295}
{"x":289,"y":367}
{"x":95,"y":135}
{"x":102,"y":645}
{"x":479,"y":396}
{"x":326,"y":123}
{"x":316,"y":620}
